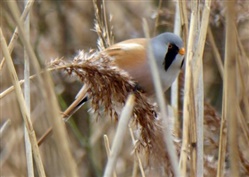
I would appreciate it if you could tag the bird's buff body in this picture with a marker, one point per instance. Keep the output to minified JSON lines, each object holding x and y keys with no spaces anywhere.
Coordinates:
{"x":131,"y":56}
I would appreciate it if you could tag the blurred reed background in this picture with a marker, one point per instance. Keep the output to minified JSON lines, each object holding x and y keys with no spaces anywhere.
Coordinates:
{"x":217,"y":50}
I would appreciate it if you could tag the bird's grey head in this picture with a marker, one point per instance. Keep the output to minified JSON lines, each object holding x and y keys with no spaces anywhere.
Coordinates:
{"x":171,"y":38}
{"x":166,"y":47}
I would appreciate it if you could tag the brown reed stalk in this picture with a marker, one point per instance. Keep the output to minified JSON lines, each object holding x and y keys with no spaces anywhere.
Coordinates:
{"x":230,"y":87}
{"x":188,"y":101}
{"x":199,"y":87}
{"x":184,"y":19}
{"x":196,"y":88}
{"x":222,"y":141}
{"x":44,"y":136}
{"x":192,"y":133}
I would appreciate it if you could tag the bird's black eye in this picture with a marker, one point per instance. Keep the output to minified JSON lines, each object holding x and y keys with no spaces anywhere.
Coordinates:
{"x":170,"y":46}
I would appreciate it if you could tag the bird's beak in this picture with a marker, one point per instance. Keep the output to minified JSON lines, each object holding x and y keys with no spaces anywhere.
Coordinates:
{"x":181,"y":51}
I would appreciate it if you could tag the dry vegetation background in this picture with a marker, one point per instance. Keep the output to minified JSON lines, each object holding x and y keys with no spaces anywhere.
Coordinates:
{"x":60,"y":29}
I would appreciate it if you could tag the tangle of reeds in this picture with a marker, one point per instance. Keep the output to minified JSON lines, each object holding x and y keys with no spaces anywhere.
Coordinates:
{"x":209,"y":131}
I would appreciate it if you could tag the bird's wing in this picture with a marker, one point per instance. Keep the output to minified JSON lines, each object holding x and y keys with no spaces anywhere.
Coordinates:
{"x":131,"y":56}
{"x":128,"y":54}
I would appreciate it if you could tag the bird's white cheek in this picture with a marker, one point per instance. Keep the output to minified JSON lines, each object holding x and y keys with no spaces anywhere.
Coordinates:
{"x":169,"y":76}
{"x":178,"y":61}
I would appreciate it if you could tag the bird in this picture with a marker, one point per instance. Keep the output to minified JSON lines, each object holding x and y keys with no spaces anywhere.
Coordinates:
{"x":132,"y":56}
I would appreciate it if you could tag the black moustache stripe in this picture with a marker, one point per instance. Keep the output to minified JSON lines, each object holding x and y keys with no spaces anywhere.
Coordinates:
{"x":182,"y":63}
{"x":170,"y":56}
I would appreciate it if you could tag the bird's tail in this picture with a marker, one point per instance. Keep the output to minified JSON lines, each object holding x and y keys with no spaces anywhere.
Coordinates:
{"x":79,"y":101}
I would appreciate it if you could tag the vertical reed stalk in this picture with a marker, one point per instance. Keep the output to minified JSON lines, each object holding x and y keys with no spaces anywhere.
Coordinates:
{"x":222,"y":141}
{"x":28,"y":148}
{"x":193,"y":132}
{"x":174,"y":87}
{"x":230,"y":87}
{"x":199,"y":87}
{"x":188,"y":101}
{"x":119,"y":137}
{"x":162,"y":105}
{"x":184,"y":19}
